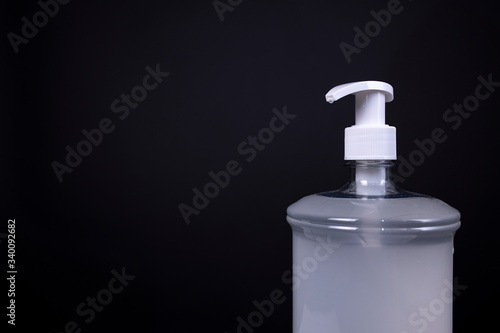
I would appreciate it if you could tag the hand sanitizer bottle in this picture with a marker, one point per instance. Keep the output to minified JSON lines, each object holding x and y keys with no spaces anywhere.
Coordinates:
{"x":370,"y":257}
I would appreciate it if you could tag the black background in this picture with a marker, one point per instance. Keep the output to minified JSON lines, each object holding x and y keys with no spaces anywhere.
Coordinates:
{"x":119,"y":207}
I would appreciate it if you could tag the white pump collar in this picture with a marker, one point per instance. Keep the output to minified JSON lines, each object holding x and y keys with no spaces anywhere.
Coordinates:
{"x":370,"y":138}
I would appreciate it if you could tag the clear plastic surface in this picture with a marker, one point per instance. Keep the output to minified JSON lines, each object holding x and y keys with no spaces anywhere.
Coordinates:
{"x":372,"y":263}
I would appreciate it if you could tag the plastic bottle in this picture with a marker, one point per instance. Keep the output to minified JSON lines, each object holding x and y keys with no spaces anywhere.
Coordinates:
{"x":369,"y":257}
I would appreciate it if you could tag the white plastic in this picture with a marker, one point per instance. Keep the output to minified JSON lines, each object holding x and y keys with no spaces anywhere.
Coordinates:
{"x":370,"y":138}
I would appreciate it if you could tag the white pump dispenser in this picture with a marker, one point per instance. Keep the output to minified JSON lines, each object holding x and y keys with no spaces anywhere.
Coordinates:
{"x":370,"y":138}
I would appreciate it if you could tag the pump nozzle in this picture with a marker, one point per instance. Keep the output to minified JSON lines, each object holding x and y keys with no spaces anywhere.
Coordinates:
{"x":342,"y":90}
{"x":370,"y":138}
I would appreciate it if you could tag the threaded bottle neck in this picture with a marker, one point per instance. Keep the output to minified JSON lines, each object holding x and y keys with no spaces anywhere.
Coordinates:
{"x":370,"y":178}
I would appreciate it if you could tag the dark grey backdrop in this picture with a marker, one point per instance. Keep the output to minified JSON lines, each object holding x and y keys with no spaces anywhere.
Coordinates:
{"x":118,"y":208}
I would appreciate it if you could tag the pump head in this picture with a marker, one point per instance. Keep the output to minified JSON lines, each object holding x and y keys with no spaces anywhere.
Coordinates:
{"x":370,"y":138}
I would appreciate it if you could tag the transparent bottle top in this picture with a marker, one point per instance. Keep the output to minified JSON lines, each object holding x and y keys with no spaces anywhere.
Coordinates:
{"x":371,"y":201}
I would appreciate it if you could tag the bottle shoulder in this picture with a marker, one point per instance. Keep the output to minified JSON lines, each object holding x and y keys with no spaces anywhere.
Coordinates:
{"x":405,"y":208}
